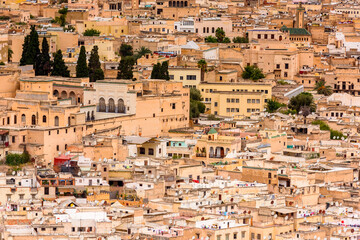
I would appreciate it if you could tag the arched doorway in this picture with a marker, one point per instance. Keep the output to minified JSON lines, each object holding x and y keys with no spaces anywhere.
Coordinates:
{"x":63,"y":95}
{"x":33,"y":120}
{"x":73,"y":98}
{"x":102,"y":105}
{"x":121,"y":106}
{"x":92,"y":115}
{"x":23,"y":118}
{"x":111,"y":105}
{"x":56,"y":120}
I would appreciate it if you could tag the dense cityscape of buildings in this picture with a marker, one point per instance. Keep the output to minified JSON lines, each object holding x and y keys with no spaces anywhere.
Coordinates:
{"x":179,"y":120}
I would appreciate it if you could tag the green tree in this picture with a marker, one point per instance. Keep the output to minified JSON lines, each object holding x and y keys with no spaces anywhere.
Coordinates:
{"x":15,"y":159}
{"x":82,"y":69}
{"x":31,"y":48}
{"x":10,"y":54}
{"x":164,"y":70}
{"x":273,"y":105}
{"x":211,"y":39}
{"x":126,"y":68}
{"x":43,"y":61}
{"x":202,"y":64}
{"x":325,"y":127}
{"x":226,"y":40}
{"x":126,"y":50}
{"x":253,"y":73}
{"x":321,"y":88}
{"x":95,"y":71}
{"x":301,"y":100}
{"x":196,"y":106}
{"x":220,"y":35}
{"x":155,"y":73}
{"x":59,"y":67}
{"x":24,"y":60}
{"x":240,"y":40}
{"x":62,"y":19}
{"x":91,"y":32}
{"x":160,"y":71}
{"x":142,"y":52}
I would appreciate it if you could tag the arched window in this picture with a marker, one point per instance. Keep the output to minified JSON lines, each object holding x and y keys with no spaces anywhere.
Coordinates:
{"x":92,"y":115}
{"x":186,"y":3}
{"x":73,"y":98}
{"x":182,"y":4}
{"x":121,"y":106}
{"x":111,"y":105}
{"x":56,"y":93}
{"x":63,"y":95}
{"x":33,"y":120}
{"x":102,"y":105}
{"x":23,"y":118}
{"x":56,"y":121}
{"x":44,"y":119}
{"x":170,"y":3}
{"x":178,"y":4}
{"x":15,"y":119}
{"x":88,"y":116}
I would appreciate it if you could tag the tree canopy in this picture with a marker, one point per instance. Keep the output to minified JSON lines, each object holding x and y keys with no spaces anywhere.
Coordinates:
{"x":126,"y":68}
{"x":301,"y":100}
{"x":160,"y":71}
{"x":95,"y":71}
{"x":321,"y":88}
{"x":31,"y":48}
{"x":126,"y":50}
{"x":82,"y":69}
{"x":59,"y":67}
{"x":196,"y":106}
{"x":273,"y":105}
{"x":240,"y":40}
{"x":253,"y":73}
{"x":91,"y":32}
{"x":43,"y":61}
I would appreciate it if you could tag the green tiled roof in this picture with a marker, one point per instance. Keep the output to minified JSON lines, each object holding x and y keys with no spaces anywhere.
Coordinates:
{"x":295,"y":31}
{"x":212,"y":131}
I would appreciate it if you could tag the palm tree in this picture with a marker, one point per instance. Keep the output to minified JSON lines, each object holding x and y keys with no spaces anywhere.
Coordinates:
{"x":202,"y":64}
{"x":321,"y":88}
{"x":142,"y":52}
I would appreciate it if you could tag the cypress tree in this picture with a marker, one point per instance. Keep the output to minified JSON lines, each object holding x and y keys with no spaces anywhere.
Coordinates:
{"x":95,"y":71}
{"x":125,"y":68}
{"x":42,"y":63}
{"x":165,"y":71}
{"x":155,"y":74}
{"x":31,"y":48}
{"x":23,"y":59}
{"x":59,"y":67}
{"x":82,"y":69}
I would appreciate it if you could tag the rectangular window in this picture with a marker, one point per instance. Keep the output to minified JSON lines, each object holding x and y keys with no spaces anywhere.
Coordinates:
{"x":171,"y":77}
{"x":286,"y":66}
{"x":13,"y":139}
{"x":249,"y":101}
{"x":257,"y":100}
{"x":46,"y":191}
{"x":142,"y":150}
{"x":228,"y":110}
{"x":151,"y":151}
{"x":190,"y":77}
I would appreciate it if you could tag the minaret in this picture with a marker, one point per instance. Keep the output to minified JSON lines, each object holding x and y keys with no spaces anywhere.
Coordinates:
{"x":299,"y":23}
